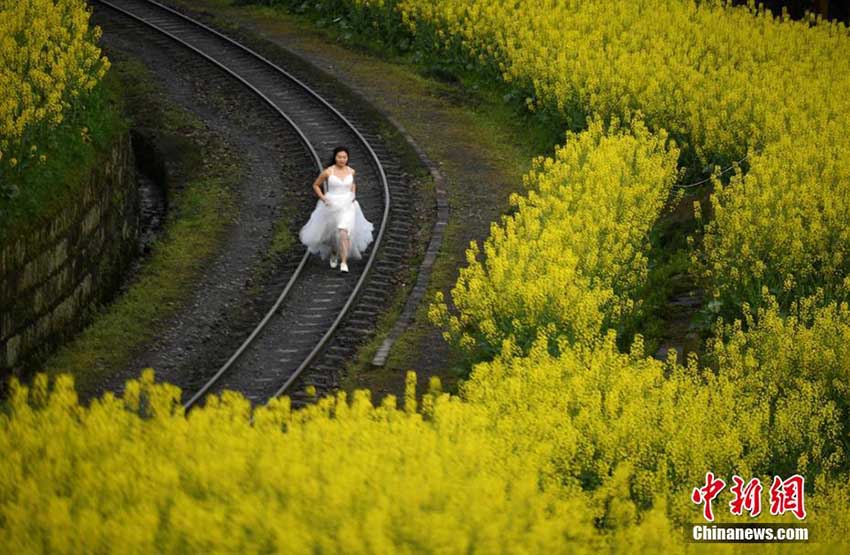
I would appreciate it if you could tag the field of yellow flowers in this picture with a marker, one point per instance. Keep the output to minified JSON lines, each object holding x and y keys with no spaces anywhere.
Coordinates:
{"x":572,"y":258}
{"x":558,"y":441}
{"x":723,"y":83}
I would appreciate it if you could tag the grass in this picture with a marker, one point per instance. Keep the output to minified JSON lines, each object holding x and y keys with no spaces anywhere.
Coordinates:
{"x":670,"y":274}
{"x":283,"y":239}
{"x":199,"y":212}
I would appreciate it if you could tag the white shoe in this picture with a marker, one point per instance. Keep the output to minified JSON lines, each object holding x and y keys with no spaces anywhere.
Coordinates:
{"x":333,"y":261}
{"x":343,"y":267}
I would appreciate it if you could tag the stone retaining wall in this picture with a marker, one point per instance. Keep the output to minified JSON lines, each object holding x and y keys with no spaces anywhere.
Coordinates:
{"x":53,"y":279}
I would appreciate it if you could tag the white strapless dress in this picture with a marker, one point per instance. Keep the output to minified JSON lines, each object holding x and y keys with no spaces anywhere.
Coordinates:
{"x":320,"y":234}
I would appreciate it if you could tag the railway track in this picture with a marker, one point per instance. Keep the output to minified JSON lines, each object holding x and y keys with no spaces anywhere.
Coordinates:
{"x":320,"y":315}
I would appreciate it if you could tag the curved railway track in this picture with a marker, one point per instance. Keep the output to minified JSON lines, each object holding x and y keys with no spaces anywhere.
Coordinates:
{"x":290,"y":347}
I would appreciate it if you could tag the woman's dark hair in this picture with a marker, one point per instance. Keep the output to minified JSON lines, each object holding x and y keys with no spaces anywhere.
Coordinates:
{"x":337,"y":150}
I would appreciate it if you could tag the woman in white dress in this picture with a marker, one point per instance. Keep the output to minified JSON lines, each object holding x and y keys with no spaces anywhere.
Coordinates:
{"x":337,"y":227}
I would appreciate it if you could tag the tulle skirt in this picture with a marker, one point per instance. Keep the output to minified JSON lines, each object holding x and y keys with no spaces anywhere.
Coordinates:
{"x":320,"y":234}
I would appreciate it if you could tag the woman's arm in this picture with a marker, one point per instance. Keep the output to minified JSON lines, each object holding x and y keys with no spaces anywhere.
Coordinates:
{"x":353,"y":183}
{"x":317,"y":185}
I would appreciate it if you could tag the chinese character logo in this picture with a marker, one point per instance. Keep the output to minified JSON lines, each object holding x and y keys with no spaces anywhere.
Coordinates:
{"x":785,"y":496}
{"x":707,"y":493}
{"x":746,"y":497}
